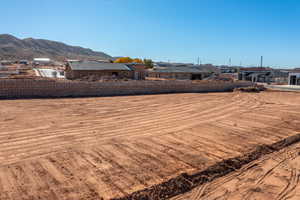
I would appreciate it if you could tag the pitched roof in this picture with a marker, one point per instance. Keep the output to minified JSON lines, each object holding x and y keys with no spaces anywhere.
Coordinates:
{"x":209,"y":68}
{"x":178,"y":69}
{"x":255,"y":69}
{"x":94,"y":65}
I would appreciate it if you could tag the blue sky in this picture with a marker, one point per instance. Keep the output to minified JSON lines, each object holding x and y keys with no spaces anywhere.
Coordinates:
{"x":175,"y":30}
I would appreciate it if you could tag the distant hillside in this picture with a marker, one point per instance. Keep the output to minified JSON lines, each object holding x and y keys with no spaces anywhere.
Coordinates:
{"x":14,"y":48}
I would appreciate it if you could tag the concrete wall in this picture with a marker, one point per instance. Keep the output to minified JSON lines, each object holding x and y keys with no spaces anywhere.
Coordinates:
{"x":26,"y":88}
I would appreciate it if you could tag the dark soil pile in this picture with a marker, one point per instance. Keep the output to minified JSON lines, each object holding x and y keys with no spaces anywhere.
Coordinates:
{"x":256,"y":88}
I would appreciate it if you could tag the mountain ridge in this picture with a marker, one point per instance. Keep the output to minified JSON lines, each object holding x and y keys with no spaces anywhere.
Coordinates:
{"x":12,"y":47}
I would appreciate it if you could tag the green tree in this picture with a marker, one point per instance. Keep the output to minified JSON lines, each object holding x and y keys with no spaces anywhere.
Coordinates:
{"x":148,"y":63}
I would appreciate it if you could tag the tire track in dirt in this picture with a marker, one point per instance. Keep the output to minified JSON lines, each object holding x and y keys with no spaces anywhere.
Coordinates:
{"x":185,"y":182}
{"x":275,"y":178}
{"x":51,"y":142}
{"x":97,"y":154}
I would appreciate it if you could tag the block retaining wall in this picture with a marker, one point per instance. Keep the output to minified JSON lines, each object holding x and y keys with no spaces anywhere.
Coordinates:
{"x":27,"y":88}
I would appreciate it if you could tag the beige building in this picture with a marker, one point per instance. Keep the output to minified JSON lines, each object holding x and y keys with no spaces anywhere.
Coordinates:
{"x":82,"y":69}
{"x":180,"y":72}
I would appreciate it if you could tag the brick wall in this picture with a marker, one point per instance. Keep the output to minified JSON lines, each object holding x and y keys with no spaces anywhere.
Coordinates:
{"x":26,"y":88}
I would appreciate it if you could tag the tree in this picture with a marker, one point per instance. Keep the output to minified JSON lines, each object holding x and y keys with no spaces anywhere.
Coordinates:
{"x":137,"y":60}
{"x":124,"y":60}
{"x":148,"y":63}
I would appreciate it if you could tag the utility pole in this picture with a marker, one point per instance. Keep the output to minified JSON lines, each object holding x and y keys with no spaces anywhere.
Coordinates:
{"x":261,"y":61}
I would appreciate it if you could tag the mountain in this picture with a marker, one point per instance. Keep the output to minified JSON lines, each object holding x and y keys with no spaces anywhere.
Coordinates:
{"x":29,"y":48}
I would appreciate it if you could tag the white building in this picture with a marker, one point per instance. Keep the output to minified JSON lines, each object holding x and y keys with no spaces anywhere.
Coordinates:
{"x":42,"y":61}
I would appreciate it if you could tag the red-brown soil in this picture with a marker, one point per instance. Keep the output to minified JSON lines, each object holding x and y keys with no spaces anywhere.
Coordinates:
{"x":94,"y":148}
{"x":274,"y":176}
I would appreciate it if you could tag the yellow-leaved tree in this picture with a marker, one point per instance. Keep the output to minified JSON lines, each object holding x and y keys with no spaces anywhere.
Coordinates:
{"x":137,"y":60}
{"x":128,"y":60}
{"x":124,"y":60}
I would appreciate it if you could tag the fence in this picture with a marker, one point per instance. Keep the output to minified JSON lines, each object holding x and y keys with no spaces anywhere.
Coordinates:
{"x":28,"y":88}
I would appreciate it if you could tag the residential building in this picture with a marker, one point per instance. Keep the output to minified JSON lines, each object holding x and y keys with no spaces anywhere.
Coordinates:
{"x":42,"y":61}
{"x":228,"y":69}
{"x":181,"y":71}
{"x":138,"y":69}
{"x":100,"y":70}
{"x":294,"y":77}
{"x":256,"y":74}
{"x":7,"y":62}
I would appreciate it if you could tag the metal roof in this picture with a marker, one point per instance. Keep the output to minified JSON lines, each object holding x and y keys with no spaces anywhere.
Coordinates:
{"x":178,"y":69}
{"x":42,"y":59}
{"x":208,"y":68}
{"x":185,"y":67}
{"x":256,"y":69}
{"x":94,"y":65}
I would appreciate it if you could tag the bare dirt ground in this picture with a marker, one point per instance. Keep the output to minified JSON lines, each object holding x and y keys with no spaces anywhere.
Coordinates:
{"x":275,"y":176}
{"x":94,"y":148}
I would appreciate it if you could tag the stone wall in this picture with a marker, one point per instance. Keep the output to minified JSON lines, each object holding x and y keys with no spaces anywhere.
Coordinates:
{"x":27,"y":88}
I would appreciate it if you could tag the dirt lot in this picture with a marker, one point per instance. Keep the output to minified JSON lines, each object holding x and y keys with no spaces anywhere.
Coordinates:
{"x":275,"y":176}
{"x":93,"y":148}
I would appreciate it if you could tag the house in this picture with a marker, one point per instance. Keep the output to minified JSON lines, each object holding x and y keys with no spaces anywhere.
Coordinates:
{"x":263,"y":74}
{"x":228,"y":69}
{"x":280,"y":76}
{"x":256,"y":74}
{"x":294,"y":77}
{"x":138,"y":69}
{"x":7,"y":62}
{"x":42,"y":61}
{"x":180,"y":71}
{"x":6,"y":72}
{"x":100,"y":70}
